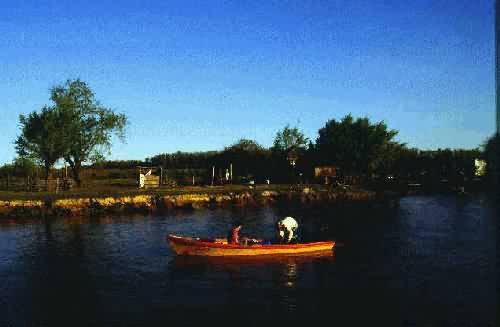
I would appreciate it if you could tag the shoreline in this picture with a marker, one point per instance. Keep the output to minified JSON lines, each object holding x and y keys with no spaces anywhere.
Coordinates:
{"x":133,"y":201}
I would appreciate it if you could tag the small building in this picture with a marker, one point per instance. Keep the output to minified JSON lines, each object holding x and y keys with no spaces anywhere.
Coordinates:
{"x":327,"y":173}
{"x":149,"y":177}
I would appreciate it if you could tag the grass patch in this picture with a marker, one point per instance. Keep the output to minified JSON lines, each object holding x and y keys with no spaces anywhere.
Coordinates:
{"x":111,"y":191}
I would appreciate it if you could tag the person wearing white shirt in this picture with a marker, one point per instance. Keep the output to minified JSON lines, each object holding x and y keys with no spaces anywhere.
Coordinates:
{"x":287,"y":230}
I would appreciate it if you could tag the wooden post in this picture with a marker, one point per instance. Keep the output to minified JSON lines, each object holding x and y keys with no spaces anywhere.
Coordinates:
{"x":213,"y":175}
{"x":138,"y":177}
{"x":193,"y":180}
{"x":161,"y":176}
{"x":231,"y":173}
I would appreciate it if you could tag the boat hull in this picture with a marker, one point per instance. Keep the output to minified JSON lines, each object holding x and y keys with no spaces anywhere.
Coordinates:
{"x":196,"y":247}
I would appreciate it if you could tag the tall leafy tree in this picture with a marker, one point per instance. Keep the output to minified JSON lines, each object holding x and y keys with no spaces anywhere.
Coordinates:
{"x":289,"y":146}
{"x":86,"y":126}
{"x":355,"y":145}
{"x":24,"y":166}
{"x":41,"y":137}
{"x":245,"y":146}
{"x":248,"y":158}
{"x":289,"y":138}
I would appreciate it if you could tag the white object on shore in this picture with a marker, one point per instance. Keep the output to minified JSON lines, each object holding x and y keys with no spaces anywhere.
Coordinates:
{"x":142,"y":179}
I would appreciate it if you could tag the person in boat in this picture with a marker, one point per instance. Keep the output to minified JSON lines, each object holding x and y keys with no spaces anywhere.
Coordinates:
{"x":234,"y":234}
{"x":287,"y":228}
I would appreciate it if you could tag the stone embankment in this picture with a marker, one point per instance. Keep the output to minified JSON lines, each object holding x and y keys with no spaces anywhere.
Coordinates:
{"x":157,"y":202}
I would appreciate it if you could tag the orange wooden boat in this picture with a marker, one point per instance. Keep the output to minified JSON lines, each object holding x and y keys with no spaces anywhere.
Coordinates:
{"x":218,"y":247}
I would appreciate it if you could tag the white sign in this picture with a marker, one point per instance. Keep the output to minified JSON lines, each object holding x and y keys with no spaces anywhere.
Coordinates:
{"x":480,"y":166}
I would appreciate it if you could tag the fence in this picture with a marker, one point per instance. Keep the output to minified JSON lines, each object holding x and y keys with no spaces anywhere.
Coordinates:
{"x":10,"y":183}
{"x":30,"y":184}
{"x":102,"y":179}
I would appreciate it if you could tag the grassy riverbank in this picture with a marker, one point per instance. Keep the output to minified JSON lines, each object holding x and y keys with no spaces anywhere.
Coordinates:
{"x":103,"y":191}
{"x":97,"y":192}
{"x":113,"y":200}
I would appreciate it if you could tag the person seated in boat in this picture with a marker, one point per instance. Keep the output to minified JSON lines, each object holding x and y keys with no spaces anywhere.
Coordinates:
{"x":234,"y":237}
{"x":234,"y":234}
{"x":287,"y":228}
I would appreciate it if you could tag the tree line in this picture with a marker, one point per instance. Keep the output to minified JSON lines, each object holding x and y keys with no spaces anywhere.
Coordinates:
{"x":76,"y":128}
{"x":357,"y":148}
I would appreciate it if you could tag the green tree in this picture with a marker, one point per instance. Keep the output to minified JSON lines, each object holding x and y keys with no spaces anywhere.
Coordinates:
{"x":355,"y":145}
{"x":245,"y":146}
{"x":41,"y":137}
{"x":86,"y":125}
{"x":288,"y":149}
{"x":406,"y":163}
{"x":289,"y":139}
{"x":248,"y":158}
{"x":25,"y":166}
{"x":7,"y":170}
{"x":491,"y":150}
{"x":391,"y":157}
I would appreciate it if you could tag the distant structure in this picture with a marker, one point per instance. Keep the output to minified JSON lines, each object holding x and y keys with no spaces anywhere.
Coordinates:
{"x":149,"y":177}
{"x":328,"y":173}
{"x":479,"y":167}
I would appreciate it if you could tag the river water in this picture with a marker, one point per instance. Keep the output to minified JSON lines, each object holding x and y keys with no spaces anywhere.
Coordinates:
{"x":428,"y":261}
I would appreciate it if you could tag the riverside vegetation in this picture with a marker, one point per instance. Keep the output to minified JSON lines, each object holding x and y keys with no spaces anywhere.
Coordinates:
{"x":69,"y":204}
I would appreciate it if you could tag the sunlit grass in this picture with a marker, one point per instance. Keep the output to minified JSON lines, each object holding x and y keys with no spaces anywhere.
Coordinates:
{"x":121,"y":188}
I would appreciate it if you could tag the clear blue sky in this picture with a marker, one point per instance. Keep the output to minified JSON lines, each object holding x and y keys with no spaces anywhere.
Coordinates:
{"x":201,"y":75}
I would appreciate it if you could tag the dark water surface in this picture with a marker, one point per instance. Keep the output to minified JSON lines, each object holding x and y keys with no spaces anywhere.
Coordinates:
{"x":431,"y":261}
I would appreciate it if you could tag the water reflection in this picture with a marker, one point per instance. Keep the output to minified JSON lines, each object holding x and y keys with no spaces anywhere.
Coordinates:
{"x":236,"y":268}
{"x":276,"y":272}
{"x":120,"y":271}
{"x":277,"y":285}
{"x":185,"y":261}
{"x":290,"y":272}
